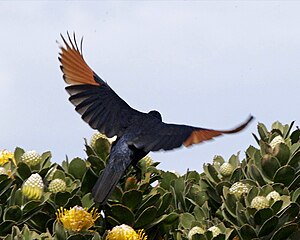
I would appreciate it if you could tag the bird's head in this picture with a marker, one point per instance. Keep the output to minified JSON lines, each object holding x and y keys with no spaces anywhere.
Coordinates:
{"x":156,"y":114}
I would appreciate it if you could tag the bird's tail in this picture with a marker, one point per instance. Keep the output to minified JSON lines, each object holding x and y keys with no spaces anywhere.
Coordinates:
{"x":106,"y":183}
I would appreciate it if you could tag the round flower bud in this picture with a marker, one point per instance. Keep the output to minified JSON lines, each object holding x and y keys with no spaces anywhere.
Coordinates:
{"x":194,"y":231}
{"x":215,"y":231}
{"x":99,"y":135}
{"x":275,"y":196}
{"x":57,"y":185}
{"x":238,"y":189}
{"x":3,"y":171}
{"x":226,"y":169}
{"x":33,"y":187}
{"x":31,"y":158}
{"x":259,"y":202}
{"x":276,"y":140}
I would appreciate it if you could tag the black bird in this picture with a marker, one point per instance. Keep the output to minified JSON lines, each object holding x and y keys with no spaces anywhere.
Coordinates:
{"x":137,"y":133}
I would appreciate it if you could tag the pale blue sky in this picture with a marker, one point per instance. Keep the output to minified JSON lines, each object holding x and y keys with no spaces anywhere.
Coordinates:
{"x":207,"y":64}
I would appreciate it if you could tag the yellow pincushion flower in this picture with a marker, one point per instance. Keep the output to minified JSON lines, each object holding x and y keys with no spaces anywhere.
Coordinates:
{"x":33,"y":187}
{"x":77,"y":218}
{"x":5,"y":156}
{"x":125,"y":232}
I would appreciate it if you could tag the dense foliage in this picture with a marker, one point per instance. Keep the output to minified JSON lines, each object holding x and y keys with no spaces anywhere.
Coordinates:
{"x":257,"y":197}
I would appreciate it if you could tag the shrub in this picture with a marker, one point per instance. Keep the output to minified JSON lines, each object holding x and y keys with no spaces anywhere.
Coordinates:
{"x":257,"y":197}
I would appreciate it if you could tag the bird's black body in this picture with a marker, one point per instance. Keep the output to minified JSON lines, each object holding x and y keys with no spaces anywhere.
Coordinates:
{"x":137,"y":133}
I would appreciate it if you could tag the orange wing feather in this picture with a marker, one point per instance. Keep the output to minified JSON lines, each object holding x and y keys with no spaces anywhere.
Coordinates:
{"x":201,"y":135}
{"x":75,"y":69}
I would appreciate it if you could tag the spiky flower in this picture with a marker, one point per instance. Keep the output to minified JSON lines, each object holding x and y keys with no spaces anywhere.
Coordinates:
{"x":125,"y":232}
{"x":5,"y":156}
{"x":33,"y":187}
{"x":57,"y":185}
{"x":99,"y":135}
{"x":276,"y":140}
{"x":275,"y":196}
{"x":3,"y":171}
{"x":31,"y":158}
{"x":77,"y":218}
{"x":260,"y":202}
{"x":238,"y":189}
{"x":215,"y":231}
{"x":226,"y":169}
{"x":195,"y":230}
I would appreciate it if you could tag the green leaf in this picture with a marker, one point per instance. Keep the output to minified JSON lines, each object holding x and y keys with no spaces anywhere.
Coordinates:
{"x":102,"y":148}
{"x":167,"y":179}
{"x":262,"y":131}
{"x":285,"y":231}
{"x":73,"y":201}
{"x":61,"y":198}
{"x":96,"y":163}
{"x":31,"y":207}
{"x":112,"y":221}
{"x":38,"y":221}
{"x":268,"y":226}
{"x":46,"y":157}
{"x":193,"y":175}
{"x":87,"y":200}
{"x":295,"y":160}
{"x":16,"y":233}
{"x":165,"y":203}
{"x":76,"y":237}
{"x":295,"y":183}
{"x":247,"y":232}
{"x":122,"y":214}
{"x":59,"y":174}
{"x":211,"y":173}
{"x":132,"y":198}
{"x":262,"y":215}
{"x":6,"y":226}
{"x":23,"y":171}
{"x":18,"y":154}
{"x":117,"y":194}
{"x":295,"y":136}
{"x":60,"y":232}
{"x":284,"y":175}
{"x":13,"y":213}
{"x":149,"y":201}
{"x":257,"y":175}
{"x":146,"y":217}
{"x":270,"y":165}
{"x":77,"y":168}
{"x":186,"y":220}
{"x":165,"y":219}
{"x":88,"y":181}
{"x":200,"y":213}
{"x":282,"y":153}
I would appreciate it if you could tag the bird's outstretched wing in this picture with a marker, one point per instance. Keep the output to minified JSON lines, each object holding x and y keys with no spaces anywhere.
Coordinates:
{"x":97,"y":103}
{"x":163,"y":136}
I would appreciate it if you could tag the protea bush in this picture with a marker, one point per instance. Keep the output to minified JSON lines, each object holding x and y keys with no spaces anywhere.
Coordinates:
{"x":256,"y":197}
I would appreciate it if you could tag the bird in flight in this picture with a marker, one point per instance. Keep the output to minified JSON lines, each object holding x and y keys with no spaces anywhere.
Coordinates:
{"x":137,"y":133}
